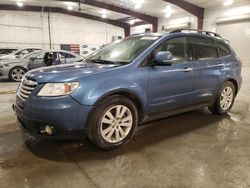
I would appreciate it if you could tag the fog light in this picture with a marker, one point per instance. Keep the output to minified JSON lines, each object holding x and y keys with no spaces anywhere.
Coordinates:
{"x":48,"y":129}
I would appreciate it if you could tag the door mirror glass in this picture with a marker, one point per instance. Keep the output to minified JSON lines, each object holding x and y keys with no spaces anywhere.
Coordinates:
{"x":163,"y":58}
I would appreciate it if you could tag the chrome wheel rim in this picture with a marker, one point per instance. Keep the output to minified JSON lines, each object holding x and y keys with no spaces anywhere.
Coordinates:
{"x":116,"y":124}
{"x":226,"y":98}
{"x":17,"y":74}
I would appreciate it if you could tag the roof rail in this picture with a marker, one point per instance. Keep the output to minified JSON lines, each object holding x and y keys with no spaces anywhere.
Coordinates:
{"x":198,"y":31}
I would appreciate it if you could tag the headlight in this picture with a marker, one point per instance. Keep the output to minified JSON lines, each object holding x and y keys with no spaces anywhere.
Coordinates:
{"x":58,"y":89}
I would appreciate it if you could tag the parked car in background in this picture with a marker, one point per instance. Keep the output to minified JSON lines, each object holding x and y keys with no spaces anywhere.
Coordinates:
{"x":5,"y":51}
{"x":14,"y":69}
{"x":19,"y":53}
{"x":137,"y":79}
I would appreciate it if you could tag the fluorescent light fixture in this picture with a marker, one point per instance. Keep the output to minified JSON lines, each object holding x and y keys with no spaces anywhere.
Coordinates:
{"x":132,"y":22}
{"x":104,"y":11}
{"x":228,"y":2}
{"x":168,"y":11}
{"x":168,"y":14}
{"x":138,"y":3}
{"x":19,"y":4}
{"x":70,"y":8}
{"x":104,"y":15}
{"x":69,"y":4}
{"x":137,"y":6}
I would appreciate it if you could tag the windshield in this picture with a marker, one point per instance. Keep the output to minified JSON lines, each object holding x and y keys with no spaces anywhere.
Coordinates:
{"x":122,"y":51}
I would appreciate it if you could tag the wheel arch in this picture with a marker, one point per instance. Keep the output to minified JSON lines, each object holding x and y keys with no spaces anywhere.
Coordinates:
{"x":235,"y":83}
{"x":128,"y":94}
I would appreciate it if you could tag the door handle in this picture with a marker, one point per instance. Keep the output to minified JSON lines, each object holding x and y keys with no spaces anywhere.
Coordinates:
{"x":186,"y":69}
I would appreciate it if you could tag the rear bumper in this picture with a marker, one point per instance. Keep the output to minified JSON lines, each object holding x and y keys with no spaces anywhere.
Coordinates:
{"x":67,"y":117}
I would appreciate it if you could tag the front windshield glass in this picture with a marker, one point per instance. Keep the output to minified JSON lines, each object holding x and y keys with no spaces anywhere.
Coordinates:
{"x":122,"y":51}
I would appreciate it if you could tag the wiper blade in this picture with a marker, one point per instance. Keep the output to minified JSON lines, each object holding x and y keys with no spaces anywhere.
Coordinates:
{"x":101,"y":61}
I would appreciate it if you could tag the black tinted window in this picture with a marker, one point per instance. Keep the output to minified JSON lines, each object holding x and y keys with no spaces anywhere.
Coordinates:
{"x":223,"y":49}
{"x":178,"y":47}
{"x":203,"y":48}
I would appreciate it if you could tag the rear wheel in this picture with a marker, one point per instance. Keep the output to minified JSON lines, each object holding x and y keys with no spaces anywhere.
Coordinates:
{"x":225,"y":99}
{"x":16,"y":74}
{"x":113,"y":122}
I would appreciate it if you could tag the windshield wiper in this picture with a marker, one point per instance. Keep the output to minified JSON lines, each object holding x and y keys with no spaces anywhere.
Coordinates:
{"x":101,"y":61}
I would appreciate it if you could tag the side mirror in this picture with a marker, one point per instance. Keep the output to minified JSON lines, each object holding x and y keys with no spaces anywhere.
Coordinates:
{"x":163,"y":58}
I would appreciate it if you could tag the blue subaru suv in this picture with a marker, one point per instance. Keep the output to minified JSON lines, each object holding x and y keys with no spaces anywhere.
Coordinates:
{"x":137,"y":79}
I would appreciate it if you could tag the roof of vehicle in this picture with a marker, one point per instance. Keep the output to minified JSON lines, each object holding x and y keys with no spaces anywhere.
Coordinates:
{"x":186,"y":31}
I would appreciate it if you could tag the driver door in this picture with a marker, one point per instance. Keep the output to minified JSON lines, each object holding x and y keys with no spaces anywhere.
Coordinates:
{"x":170,"y":86}
{"x":36,"y":62}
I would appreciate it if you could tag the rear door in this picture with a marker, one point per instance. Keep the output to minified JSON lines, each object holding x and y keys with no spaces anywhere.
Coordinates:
{"x":170,"y":86}
{"x":207,"y":69}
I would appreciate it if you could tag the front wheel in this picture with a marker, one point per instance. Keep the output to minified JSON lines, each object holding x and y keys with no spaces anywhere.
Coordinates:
{"x":16,"y":74}
{"x":113,"y":122}
{"x":225,"y":99}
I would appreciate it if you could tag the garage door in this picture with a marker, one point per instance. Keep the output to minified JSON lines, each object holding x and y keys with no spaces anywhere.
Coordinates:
{"x":239,"y":36}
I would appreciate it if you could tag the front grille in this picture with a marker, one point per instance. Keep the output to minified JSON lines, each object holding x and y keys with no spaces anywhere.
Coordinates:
{"x":26,"y":87}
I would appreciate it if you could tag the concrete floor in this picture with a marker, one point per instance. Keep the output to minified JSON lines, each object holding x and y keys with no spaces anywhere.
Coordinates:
{"x":195,"y":149}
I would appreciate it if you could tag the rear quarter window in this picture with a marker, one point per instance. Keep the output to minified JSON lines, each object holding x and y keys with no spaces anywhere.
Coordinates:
{"x":223,"y":49}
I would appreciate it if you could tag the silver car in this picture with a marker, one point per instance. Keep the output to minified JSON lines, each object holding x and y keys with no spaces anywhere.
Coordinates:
{"x":19,"y":53}
{"x":14,"y":69}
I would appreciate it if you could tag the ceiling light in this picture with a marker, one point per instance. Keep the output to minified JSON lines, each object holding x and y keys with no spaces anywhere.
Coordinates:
{"x":137,"y":6}
{"x":19,"y":4}
{"x":132,"y":22}
{"x":70,"y":8}
{"x":228,"y":2}
{"x":168,"y":11}
{"x":104,"y":11}
{"x":104,"y":15}
{"x":168,"y":14}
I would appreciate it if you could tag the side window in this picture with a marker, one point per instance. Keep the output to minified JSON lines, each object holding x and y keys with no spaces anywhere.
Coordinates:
{"x":67,"y":55}
{"x":40,"y":56}
{"x":223,"y":49}
{"x":178,"y":47}
{"x":203,"y":48}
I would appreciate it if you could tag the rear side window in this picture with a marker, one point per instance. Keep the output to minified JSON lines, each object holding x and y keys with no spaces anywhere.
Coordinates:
{"x":203,"y":48}
{"x":223,"y":49}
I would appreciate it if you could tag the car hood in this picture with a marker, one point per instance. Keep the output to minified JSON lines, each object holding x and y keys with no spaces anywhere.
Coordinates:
{"x":66,"y":73}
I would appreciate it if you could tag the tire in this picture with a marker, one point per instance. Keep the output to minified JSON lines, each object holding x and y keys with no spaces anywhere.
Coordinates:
{"x":109,"y":130}
{"x":16,"y":74}
{"x":225,"y":99}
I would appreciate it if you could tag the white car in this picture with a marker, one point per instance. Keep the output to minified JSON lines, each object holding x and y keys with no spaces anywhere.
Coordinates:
{"x":19,"y":53}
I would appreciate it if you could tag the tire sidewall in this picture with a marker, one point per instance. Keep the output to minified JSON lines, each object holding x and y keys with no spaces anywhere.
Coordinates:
{"x":97,"y":115}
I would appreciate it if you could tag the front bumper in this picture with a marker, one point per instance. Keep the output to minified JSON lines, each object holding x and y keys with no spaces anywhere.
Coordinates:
{"x":67,"y":117}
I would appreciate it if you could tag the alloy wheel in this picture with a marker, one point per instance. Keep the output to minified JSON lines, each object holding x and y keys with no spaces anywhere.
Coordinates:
{"x":226,"y":98}
{"x":116,"y":124}
{"x":17,"y":74}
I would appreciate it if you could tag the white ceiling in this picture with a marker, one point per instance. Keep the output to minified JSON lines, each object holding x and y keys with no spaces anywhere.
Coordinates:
{"x":149,"y":7}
